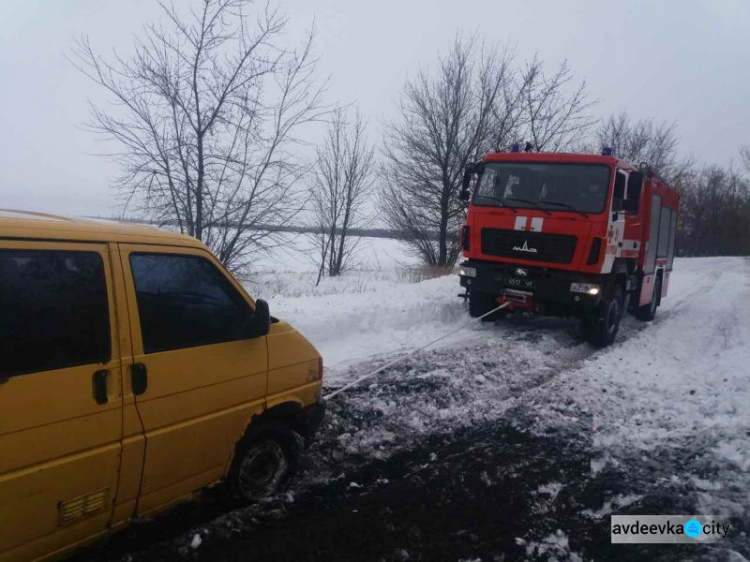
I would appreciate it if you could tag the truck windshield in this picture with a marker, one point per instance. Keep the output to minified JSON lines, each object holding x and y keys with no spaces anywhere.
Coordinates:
{"x":562,"y":187}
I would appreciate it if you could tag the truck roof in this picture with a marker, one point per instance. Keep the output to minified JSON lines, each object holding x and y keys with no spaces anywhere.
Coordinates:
{"x":567,"y":157}
{"x":44,"y":226}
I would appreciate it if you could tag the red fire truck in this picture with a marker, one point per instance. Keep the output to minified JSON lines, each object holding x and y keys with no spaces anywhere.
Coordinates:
{"x":581,"y":235}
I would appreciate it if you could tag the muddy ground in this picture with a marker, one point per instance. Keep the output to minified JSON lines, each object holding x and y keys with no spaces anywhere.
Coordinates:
{"x":423,"y":466}
{"x":474,"y":496}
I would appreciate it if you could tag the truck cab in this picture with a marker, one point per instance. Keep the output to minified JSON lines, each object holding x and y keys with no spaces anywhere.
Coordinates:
{"x":581,"y":235}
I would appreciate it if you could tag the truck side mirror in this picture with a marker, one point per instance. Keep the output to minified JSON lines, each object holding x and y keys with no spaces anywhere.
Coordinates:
{"x":618,"y":194}
{"x":471,"y":169}
{"x":467,"y":178}
{"x":635,"y":185}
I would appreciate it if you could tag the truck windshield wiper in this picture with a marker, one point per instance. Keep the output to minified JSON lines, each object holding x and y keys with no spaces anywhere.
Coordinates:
{"x":499,"y":200}
{"x":571,"y":207}
{"x":533,"y":203}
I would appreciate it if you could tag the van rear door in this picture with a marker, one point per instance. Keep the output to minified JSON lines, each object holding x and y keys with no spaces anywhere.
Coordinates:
{"x":60,"y":396}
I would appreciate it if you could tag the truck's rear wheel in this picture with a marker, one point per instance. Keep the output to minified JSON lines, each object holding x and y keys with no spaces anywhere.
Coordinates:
{"x":601,"y":326}
{"x":481,"y":303}
{"x":647,"y":312}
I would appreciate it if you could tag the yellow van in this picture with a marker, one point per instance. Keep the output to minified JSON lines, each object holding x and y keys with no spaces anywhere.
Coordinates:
{"x":134,"y":371}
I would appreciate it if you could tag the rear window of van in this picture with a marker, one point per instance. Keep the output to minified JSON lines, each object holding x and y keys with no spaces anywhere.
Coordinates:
{"x":53,"y":311}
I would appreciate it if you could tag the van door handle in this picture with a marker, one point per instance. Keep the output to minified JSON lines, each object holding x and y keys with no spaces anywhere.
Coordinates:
{"x":139,"y":378}
{"x":100,"y":387}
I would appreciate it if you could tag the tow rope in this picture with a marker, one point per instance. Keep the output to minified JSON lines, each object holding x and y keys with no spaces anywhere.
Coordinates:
{"x":407,"y":355}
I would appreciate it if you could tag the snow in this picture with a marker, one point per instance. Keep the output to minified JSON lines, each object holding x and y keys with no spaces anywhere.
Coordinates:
{"x":681,"y":377}
{"x":373,"y":309}
{"x":554,"y":547}
{"x":681,"y":381}
{"x":673,"y":393}
{"x":612,"y":506}
{"x":388,"y":318}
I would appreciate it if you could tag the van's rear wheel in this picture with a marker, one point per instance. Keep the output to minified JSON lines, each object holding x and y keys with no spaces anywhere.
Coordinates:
{"x":265,"y":461}
{"x":481,"y":303}
{"x":602,"y":325}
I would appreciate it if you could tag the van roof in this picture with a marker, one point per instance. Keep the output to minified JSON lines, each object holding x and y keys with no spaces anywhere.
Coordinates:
{"x":30,"y":225}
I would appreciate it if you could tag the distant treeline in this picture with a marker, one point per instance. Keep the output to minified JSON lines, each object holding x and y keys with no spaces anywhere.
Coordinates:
{"x":365,"y":232}
{"x":714,"y":217}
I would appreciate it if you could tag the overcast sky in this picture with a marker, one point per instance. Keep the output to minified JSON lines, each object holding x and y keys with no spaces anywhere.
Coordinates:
{"x":675,"y":60}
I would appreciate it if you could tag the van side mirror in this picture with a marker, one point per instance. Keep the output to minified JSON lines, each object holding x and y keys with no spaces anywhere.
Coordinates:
{"x":635,"y":186}
{"x":261,"y":319}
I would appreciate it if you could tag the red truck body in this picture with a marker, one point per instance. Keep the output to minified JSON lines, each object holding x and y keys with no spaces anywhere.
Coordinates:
{"x":563,"y":251}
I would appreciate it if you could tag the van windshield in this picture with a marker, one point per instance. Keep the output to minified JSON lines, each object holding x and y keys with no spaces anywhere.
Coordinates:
{"x":562,"y":187}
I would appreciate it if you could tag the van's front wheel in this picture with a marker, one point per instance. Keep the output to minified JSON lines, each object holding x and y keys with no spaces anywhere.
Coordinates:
{"x":265,"y":461}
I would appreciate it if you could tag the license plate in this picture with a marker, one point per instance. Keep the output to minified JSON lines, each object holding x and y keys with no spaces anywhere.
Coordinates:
{"x":520,"y":283}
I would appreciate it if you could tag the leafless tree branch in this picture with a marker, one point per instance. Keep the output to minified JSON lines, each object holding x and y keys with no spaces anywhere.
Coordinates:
{"x":206,"y":113}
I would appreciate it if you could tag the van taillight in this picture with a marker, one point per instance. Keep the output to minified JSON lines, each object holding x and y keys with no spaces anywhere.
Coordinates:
{"x":465,"y":238}
{"x":596,"y":248}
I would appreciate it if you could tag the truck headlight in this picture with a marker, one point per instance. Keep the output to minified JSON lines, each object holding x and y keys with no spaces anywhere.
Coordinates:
{"x":464,"y":271}
{"x":587,"y":288}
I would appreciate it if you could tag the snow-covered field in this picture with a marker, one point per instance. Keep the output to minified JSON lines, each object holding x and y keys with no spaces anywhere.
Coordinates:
{"x":677,"y":389}
{"x":658,"y":423}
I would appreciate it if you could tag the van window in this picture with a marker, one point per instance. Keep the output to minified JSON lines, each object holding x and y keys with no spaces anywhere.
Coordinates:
{"x":185,"y":301}
{"x":53,"y":311}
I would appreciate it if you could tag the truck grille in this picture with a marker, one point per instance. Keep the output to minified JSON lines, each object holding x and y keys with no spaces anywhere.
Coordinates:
{"x":535,"y":246}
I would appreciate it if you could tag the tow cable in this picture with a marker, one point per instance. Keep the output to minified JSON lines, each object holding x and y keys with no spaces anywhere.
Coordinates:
{"x":407,"y":355}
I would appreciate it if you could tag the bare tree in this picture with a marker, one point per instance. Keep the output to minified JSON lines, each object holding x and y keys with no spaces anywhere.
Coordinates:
{"x":207,"y":113}
{"x":644,"y":141}
{"x":341,"y":182}
{"x":445,"y":123}
{"x":745,"y":157}
{"x":553,"y":110}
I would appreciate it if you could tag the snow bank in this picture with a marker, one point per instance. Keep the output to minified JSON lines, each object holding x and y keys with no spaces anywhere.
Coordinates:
{"x":394,"y":317}
{"x":679,"y":383}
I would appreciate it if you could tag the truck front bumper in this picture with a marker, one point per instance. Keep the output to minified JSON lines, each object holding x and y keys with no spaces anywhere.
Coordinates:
{"x":549,"y":290}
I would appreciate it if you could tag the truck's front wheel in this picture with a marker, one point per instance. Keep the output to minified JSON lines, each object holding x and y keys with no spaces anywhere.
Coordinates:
{"x":481,"y":303}
{"x":602,"y":325}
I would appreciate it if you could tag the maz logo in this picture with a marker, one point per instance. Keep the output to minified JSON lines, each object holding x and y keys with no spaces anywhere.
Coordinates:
{"x":525,"y":248}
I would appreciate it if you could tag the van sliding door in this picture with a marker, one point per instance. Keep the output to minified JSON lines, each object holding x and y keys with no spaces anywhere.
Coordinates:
{"x":60,"y":400}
